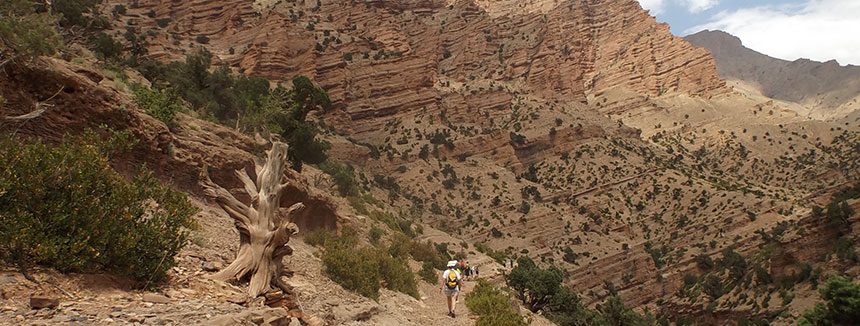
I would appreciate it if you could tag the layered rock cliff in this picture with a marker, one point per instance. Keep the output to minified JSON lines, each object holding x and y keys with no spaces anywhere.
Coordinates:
{"x":382,"y":59}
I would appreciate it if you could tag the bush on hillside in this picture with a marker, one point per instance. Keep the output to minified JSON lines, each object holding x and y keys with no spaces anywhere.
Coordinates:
{"x":841,"y":306}
{"x":343,"y":177}
{"x":247,"y":102}
{"x":426,"y":252}
{"x":77,"y":13}
{"x":613,"y":312}
{"x":535,"y":286}
{"x":64,"y":206}
{"x":106,"y":47}
{"x":492,"y":306}
{"x":428,"y":273}
{"x":159,"y":103}
{"x":318,"y":237}
{"x":24,"y":33}
{"x":541,"y":290}
{"x":363,"y":269}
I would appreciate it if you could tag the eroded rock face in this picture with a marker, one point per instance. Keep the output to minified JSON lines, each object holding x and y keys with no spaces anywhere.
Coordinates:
{"x":380,"y":60}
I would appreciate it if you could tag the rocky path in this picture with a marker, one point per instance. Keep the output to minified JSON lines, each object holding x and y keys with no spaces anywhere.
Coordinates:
{"x":190,"y":299}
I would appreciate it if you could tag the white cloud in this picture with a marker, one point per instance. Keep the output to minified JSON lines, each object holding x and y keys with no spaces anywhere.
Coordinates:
{"x":817,"y":29}
{"x":655,"y":6}
{"x":697,"y":6}
{"x":694,"y":6}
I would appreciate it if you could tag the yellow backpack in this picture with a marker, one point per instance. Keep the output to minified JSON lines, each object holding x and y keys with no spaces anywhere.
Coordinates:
{"x":451,"y":281}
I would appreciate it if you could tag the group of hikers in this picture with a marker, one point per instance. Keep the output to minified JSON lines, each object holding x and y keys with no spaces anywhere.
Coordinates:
{"x":452,"y":278}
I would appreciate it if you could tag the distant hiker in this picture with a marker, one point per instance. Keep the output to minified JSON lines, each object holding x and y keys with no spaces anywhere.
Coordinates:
{"x":512,"y":263}
{"x":474,"y":271}
{"x":468,"y":270}
{"x":504,"y":264}
{"x":451,"y":286}
{"x":477,"y":272}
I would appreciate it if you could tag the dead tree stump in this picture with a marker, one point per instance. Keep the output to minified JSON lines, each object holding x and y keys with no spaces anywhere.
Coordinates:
{"x":264,"y":228}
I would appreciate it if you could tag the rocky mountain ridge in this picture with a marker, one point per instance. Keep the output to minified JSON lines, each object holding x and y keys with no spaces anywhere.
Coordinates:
{"x":823,"y":90}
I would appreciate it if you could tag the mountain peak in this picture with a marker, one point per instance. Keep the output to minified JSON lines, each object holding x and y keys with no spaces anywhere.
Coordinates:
{"x":824,"y":87}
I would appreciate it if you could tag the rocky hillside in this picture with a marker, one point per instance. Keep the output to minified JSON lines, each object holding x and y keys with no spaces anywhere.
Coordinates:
{"x":579,"y":133}
{"x":823,"y":90}
{"x":380,"y":60}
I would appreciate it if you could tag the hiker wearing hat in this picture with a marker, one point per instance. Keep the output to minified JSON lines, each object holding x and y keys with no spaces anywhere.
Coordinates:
{"x":451,"y":286}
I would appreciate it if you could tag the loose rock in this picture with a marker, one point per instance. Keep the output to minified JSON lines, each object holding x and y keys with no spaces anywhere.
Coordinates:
{"x":212,"y":266}
{"x":155,"y":298}
{"x":43,"y":301}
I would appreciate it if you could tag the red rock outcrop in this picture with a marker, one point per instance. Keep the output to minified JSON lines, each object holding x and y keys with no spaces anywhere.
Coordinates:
{"x":381,"y":59}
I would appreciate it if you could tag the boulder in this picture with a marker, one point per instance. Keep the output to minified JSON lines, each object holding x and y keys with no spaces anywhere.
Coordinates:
{"x":43,"y":301}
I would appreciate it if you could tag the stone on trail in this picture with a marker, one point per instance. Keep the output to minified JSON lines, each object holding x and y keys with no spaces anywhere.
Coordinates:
{"x":155,"y":298}
{"x":43,"y":301}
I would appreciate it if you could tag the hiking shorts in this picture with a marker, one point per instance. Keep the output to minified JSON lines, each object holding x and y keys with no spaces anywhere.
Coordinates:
{"x":452,"y":292}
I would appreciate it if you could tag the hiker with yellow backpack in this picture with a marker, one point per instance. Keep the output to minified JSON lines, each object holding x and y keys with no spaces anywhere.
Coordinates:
{"x":451,"y":286}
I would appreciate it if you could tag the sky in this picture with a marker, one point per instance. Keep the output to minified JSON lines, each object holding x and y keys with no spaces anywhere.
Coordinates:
{"x":820,"y":30}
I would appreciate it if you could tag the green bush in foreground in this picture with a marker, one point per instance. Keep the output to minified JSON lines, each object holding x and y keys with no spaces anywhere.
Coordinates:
{"x":364,"y":269}
{"x":64,"y":206}
{"x":492,"y":306}
{"x":841,"y":306}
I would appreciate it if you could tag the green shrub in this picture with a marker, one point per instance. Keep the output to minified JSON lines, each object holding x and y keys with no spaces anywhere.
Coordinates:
{"x":704,"y":262}
{"x":566,"y":309}
{"x":492,"y":306}
{"x":318,"y":237}
{"x":841,"y":307}
{"x":106,"y":47}
{"x":162,"y":22}
{"x":119,"y":10}
{"x":535,"y":286}
{"x":248,"y":102}
{"x":497,"y":255}
{"x":734,"y":263}
{"x":428,"y":273}
{"x":540,"y":290}
{"x":79,"y":13}
{"x":363,"y":269}
{"x":713,"y":286}
{"x":352,"y":270}
{"x":400,"y":245}
{"x":426,"y":252}
{"x":613,"y":312}
{"x":159,"y":103}
{"x":344,"y":178}
{"x":397,"y":275}
{"x":24,"y":33}
{"x":63,"y":206}
{"x":375,"y":234}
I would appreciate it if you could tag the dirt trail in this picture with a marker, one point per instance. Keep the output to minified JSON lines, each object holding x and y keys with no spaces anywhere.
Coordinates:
{"x":190,"y":299}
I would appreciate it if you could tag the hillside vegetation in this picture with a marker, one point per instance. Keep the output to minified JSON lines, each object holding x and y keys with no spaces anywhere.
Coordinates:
{"x":594,"y":166}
